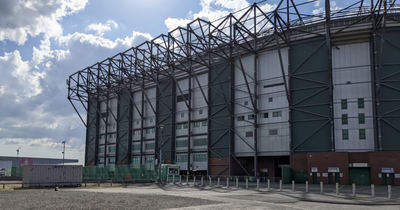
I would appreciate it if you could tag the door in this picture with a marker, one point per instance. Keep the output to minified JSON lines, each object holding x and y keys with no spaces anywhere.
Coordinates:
{"x":337,"y":178}
{"x":391,"y":179}
{"x":384,"y":179}
{"x":330,"y":177}
{"x":314,"y":176}
{"x":264,"y":176}
{"x":360,"y":176}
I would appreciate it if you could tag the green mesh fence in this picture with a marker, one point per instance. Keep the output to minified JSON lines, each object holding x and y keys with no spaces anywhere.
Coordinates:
{"x":16,"y":172}
{"x":122,"y":172}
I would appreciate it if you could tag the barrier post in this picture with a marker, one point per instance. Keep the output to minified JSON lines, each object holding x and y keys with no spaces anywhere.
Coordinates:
{"x":269,"y":185}
{"x":187,"y":180}
{"x":337,"y":188}
{"x":202,"y":178}
{"x":306,"y":186}
{"x":227,"y":182}
{"x":354,"y":189}
{"x":85,"y":183}
{"x":218,"y":182}
{"x":389,"y":192}
{"x":322,"y":187}
{"x":293,"y":185}
{"x":258,"y":184}
{"x":247,"y":183}
{"x":194,"y":180}
{"x":111,"y":182}
{"x":210,"y":182}
{"x":280,"y":185}
{"x":373,"y":190}
{"x":98,"y":183}
{"x":4,"y":185}
{"x":237,"y":182}
{"x":180,"y":179}
{"x":173,"y":179}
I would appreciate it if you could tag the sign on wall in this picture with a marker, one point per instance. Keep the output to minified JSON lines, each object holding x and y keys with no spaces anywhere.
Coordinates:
{"x":25,"y":161}
{"x":334,"y":170}
{"x":324,"y":174}
{"x":314,"y":169}
{"x":387,"y":170}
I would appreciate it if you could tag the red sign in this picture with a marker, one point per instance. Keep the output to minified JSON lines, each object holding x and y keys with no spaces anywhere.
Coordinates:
{"x":25,"y":161}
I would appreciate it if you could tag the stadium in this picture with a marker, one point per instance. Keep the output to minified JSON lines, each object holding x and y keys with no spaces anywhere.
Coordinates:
{"x":256,"y":93}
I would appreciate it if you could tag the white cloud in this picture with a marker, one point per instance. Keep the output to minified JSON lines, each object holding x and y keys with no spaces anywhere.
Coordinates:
{"x":20,"y":18}
{"x":101,"y":28}
{"x":14,"y":141}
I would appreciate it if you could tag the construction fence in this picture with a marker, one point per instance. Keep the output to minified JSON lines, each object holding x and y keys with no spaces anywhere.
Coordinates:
{"x":121,"y":172}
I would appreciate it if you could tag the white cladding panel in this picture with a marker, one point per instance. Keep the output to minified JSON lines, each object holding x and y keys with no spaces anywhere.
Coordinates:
{"x":273,"y":126}
{"x":51,"y":174}
{"x":352,"y":81}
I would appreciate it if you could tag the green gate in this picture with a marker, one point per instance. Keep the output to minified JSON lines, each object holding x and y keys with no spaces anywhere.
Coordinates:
{"x":360,"y":176}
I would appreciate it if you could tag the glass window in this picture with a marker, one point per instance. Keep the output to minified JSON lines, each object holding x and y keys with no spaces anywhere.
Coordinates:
{"x":200,"y":158}
{"x":200,"y":111}
{"x":185,"y":126}
{"x":246,"y":103}
{"x":270,"y":99}
{"x":182,"y":114}
{"x":136,"y":160}
{"x":151,"y":119}
{"x":250,"y":117}
{"x":111,"y":160}
{"x":102,"y":136}
{"x":361,"y":118}
{"x":264,"y":115}
{"x":153,"y":130}
{"x":137,"y":122}
{"x":345,"y":134}
{"x":135,"y":132}
{"x":181,"y":158}
{"x":362,"y":133}
{"x":178,"y":126}
{"x":136,"y":147}
{"x":240,"y":118}
{"x":200,"y":142}
{"x":182,"y":143}
{"x":101,"y":161}
{"x":344,"y":103}
{"x":204,"y":123}
{"x":111,"y":149}
{"x":101,"y":150}
{"x":361,"y":103}
{"x":149,"y":159}
{"x":114,"y":126}
{"x":197,"y":124}
{"x":344,"y":119}
{"x":150,"y":145}
{"x":277,"y":114}
{"x":148,"y":130}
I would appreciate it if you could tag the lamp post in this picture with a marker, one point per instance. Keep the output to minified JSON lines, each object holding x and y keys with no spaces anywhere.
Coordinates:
{"x":17,"y":157}
{"x":63,"y":152}
{"x":161,"y":126}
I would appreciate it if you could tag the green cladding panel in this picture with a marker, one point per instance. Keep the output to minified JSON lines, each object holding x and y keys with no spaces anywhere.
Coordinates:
{"x":310,"y":96}
{"x":219,"y":98}
{"x":166,"y":99}
{"x":389,"y":92}
{"x":92,"y":132}
{"x":123,"y":128}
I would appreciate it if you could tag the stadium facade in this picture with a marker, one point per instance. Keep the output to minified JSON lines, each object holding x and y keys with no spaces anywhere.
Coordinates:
{"x":254,"y":93}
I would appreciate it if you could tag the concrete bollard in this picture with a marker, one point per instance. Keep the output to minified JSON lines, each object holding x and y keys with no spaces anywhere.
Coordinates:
{"x":4,"y":185}
{"x":280,"y":185}
{"x":354,"y":189}
{"x":85,"y":183}
{"x":237,"y":182}
{"x":269,"y":185}
{"x":202,"y":178}
{"x":247,"y":183}
{"x":337,"y":188}
{"x":218,"y":182}
{"x":258,"y":184}
{"x":167,"y":179}
{"x":122,"y":182}
{"x":322,"y":187}
{"x":293,"y":185}
{"x":173,"y":179}
{"x":98,"y":183}
{"x":180,"y":179}
{"x":187,"y":180}
{"x":227,"y":183}
{"x":210,"y":182}
{"x":389,"y":192}
{"x":194,"y":180}
{"x":111,"y":183}
{"x":306,"y":186}
{"x":373,"y":190}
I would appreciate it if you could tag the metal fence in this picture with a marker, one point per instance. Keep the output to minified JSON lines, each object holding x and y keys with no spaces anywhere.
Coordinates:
{"x":120,"y":172}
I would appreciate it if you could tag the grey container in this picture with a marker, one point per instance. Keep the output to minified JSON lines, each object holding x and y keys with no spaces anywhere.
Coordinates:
{"x":52,"y":175}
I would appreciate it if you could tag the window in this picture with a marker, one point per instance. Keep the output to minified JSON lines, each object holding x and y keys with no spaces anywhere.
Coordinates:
{"x":197,"y":124}
{"x":102,"y":136}
{"x":345,"y":119}
{"x":240,"y":118}
{"x":149,"y":159}
{"x":246,"y":103}
{"x":270,"y":99}
{"x":273,"y":132}
{"x":135,"y":132}
{"x":361,"y":133}
{"x":136,"y":147}
{"x":102,"y":128}
{"x":114,"y":126}
{"x":250,"y":117}
{"x":344,"y":103}
{"x":150,"y":145}
{"x":249,"y":134}
{"x":277,"y":114}
{"x":151,"y":119}
{"x":264,"y":115}
{"x":137,"y":122}
{"x":178,"y":126}
{"x":361,"y":118}
{"x":200,"y":158}
{"x":101,"y":150}
{"x":361,"y":103}
{"x":148,"y":130}
{"x":204,"y":123}
{"x":111,"y":149}
{"x":136,"y":160}
{"x":185,"y":126}
{"x":111,"y":161}
{"x":200,"y":111}
{"x":182,"y":97}
{"x":182,"y":114}
{"x":345,"y":134}
{"x":101,"y":161}
{"x":181,"y":158}
{"x":153,"y":130}
{"x":182,"y":143}
{"x":200,"y":142}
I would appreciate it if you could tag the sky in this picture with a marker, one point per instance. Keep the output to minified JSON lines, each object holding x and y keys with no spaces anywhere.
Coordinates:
{"x":42,"y":42}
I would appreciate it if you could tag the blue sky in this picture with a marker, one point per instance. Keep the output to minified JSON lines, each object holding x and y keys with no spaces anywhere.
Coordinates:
{"x":43,"y":42}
